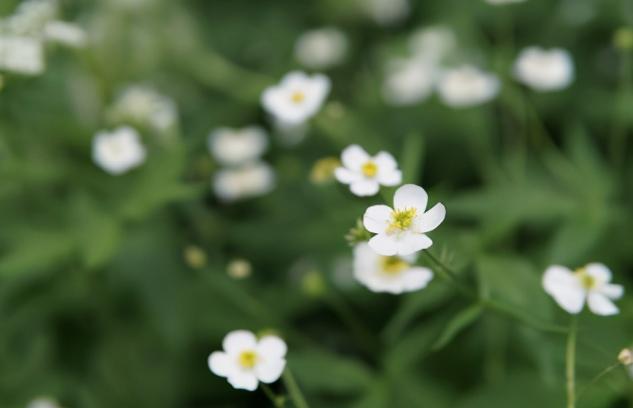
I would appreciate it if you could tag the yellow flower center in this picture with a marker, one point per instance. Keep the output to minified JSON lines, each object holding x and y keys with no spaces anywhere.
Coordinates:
{"x":369,"y":169}
{"x":402,"y":219}
{"x":248,"y":359}
{"x":392,"y":265}
{"x":586,"y":281}
{"x":297,"y":97}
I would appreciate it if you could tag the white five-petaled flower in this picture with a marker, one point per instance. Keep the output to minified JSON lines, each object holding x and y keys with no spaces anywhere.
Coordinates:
{"x":544,"y":70}
{"x":402,"y":230}
{"x":467,"y":86}
{"x":250,"y":180}
{"x":590,"y":284}
{"x":392,"y":274}
{"x":365,"y":173}
{"x":297,"y":97}
{"x":118,"y":151}
{"x":233,"y":147}
{"x":246,"y":360}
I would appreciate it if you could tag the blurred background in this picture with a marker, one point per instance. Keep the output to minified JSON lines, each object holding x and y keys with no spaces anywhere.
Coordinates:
{"x":115,"y":288}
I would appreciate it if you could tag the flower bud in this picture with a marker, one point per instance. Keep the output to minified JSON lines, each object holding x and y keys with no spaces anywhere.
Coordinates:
{"x":626,"y":357}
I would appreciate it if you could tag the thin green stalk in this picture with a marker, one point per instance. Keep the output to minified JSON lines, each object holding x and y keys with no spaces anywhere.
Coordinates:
{"x":571,"y":363}
{"x":447,"y":274}
{"x":277,"y":400}
{"x":294,"y":391}
{"x":597,"y":378}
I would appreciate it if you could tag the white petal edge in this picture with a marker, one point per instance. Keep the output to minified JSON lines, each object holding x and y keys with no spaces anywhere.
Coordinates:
{"x":384,"y":244}
{"x":272,"y":347}
{"x":365,"y":188}
{"x":410,"y":196}
{"x":243,"y":380}
{"x":432,"y":218}
{"x":601,"y":305}
{"x":560,"y":283}
{"x":238,"y":341}
{"x":376,"y":218}
{"x":220,"y":363}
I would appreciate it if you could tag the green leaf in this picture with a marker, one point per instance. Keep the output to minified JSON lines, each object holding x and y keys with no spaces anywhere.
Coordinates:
{"x":459,"y":323}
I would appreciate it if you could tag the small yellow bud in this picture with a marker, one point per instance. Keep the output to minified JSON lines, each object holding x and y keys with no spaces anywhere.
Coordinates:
{"x":195,"y":257}
{"x":239,"y":268}
{"x":623,"y":38}
{"x":323,"y":170}
{"x":626,"y":357}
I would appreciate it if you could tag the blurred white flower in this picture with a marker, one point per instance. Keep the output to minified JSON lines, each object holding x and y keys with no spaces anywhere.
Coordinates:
{"x":321,"y":48}
{"x":386,"y":12}
{"x":118,"y":151}
{"x":544,"y":70}
{"x":144,"y":106}
{"x":401,"y":230}
{"x":365,"y":173}
{"x":246,"y":360}
{"x":501,"y":2}
{"x":297,"y":97}
{"x":433,"y":43}
{"x":237,"y":146}
{"x":409,"y":81}
{"x":43,"y":402}
{"x":30,"y":17}
{"x":22,"y":55}
{"x":590,"y":284}
{"x":250,"y":180}
{"x":64,"y":33}
{"x":467,"y":86}
{"x":392,"y":274}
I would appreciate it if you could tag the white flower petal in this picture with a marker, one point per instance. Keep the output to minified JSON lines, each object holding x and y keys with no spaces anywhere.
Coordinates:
{"x":346,"y":176}
{"x":365,"y":188}
{"x":408,"y":243}
{"x":612,"y":291}
{"x":243,"y":380}
{"x":385,"y":161}
{"x":599,"y":272}
{"x":239,"y":340}
{"x":354,"y":156}
{"x":560,"y":283}
{"x":376,"y":218}
{"x":410,"y":196}
{"x":601,"y":305}
{"x":384,"y":244}
{"x":221,"y":364}
{"x":431,"y":219}
{"x":389,"y":178}
{"x":270,"y":370}
{"x":272,"y":347}
{"x":417,"y":278}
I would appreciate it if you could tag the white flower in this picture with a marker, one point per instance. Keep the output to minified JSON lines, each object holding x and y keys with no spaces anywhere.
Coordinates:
{"x":43,"y":402}
{"x":250,"y":180}
{"x":297,"y":97}
{"x":23,"y":55}
{"x":65,"y":33}
{"x":392,"y":274}
{"x":409,"y":81}
{"x":365,"y":173}
{"x":500,"y":2}
{"x":31,"y":16}
{"x":118,"y":151}
{"x":237,"y":146}
{"x":143,"y":105}
{"x":467,"y":86}
{"x":401,"y":230}
{"x":386,"y":12}
{"x":544,"y":70}
{"x":591,"y":284}
{"x":433,"y":43}
{"x":246,"y":360}
{"x":321,"y":48}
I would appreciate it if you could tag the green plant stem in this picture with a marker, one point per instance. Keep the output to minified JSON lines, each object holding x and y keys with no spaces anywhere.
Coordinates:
{"x":597,"y":378}
{"x":277,"y":400}
{"x":294,"y":391}
{"x":570,"y":360}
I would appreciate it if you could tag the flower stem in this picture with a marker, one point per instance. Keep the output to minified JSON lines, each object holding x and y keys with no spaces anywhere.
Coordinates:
{"x":571,"y":363}
{"x":598,"y":378}
{"x":294,"y":391}
{"x":277,"y":400}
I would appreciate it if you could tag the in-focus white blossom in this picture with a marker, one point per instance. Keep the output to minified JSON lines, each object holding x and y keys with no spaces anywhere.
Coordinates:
{"x":22,"y":55}
{"x":502,"y":2}
{"x":297,"y":97}
{"x":250,"y":180}
{"x":43,"y":402}
{"x":64,"y":33}
{"x":433,"y":43}
{"x":402,"y":230}
{"x":590,"y":284}
{"x":467,"y":86}
{"x":143,"y":105}
{"x":321,"y":48}
{"x":386,"y":12}
{"x":409,"y":81}
{"x":246,"y":360}
{"x":544,"y":70}
{"x":233,"y":147}
{"x":392,"y":274}
{"x":364,"y":173}
{"x":118,"y":151}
